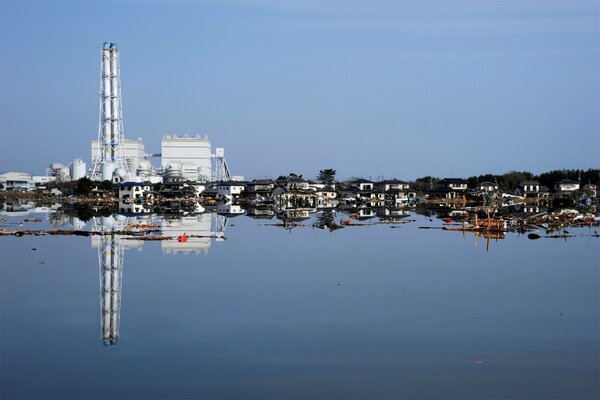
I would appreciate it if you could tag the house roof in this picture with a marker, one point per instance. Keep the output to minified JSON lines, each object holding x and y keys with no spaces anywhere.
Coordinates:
{"x":453,"y":180}
{"x":231,"y":183}
{"x":326,"y":189}
{"x":567,"y":181}
{"x":262,"y":182}
{"x":530,"y":183}
{"x":130,"y":184}
{"x":360,"y":180}
{"x":292,"y":179}
{"x":392,"y":182}
{"x":487,"y":183}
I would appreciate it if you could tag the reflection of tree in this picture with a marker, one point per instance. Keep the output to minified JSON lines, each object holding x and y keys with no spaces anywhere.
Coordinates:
{"x":327,"y":220}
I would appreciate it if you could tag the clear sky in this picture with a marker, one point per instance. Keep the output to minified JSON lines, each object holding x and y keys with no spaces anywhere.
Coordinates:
{"x":401,"y":89}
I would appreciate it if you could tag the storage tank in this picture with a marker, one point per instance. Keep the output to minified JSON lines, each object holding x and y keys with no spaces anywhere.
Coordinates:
{"x":144,"y":169}
{"x":108,"y":169}
{"x":78,"y":169}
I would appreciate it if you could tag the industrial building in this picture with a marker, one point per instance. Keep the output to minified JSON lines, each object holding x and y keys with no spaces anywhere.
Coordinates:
{"x":193,"y":154}
{"x":23,"y":181}
{"x":132,"y":150}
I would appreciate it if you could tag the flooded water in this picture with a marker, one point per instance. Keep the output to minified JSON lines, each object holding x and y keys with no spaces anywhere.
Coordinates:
{"x":255,"y":310}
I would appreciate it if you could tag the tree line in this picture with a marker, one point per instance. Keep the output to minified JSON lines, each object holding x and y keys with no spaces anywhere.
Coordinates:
{"x":508,"y":181}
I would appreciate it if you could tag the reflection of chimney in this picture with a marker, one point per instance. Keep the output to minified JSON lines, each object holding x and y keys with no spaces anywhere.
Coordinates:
{"x":110,"y":261}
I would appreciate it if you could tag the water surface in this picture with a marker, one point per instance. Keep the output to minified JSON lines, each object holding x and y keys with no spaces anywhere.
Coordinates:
{"x":303,"y":313}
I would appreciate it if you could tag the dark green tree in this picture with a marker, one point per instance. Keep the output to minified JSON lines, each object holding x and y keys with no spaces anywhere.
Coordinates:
{"x":327,"y":176}
{"x":84,"y":186}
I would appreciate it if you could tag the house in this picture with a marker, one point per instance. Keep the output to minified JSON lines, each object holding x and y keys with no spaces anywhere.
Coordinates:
{"x":135,"y":197}
{"x":531,"y":189}
{"x":327,"y":193}
{"x":14,"y":181}
{"x":362,"y":185}
{"x":230,"y":190}
{"x":260,"y":186}
{"x":396,"y":191}
{"x":293,"y":182}
{"x":487,"y":187}
{"x":392,"y":184}
{"x":590,"y":189}
{"x":566,"y":186}
{"x":449,"y":188}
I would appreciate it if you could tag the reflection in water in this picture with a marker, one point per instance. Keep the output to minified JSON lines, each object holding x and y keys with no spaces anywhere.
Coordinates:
{"x":111,"y":247}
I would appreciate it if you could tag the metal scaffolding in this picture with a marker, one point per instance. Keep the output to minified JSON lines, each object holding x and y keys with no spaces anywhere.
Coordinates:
{"x":110,"y":155}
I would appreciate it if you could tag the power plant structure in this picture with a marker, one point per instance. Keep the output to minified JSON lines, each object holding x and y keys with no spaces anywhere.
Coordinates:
{"x":118,"y":159}
{"x":110,"y":157}
{"x":190,"y":154}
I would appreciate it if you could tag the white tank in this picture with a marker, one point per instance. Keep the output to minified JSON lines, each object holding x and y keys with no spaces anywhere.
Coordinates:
{"x":108,"y":169}
{"x":78,"y":169}
{"x":144,"y":168}
{"x":173,"y":169}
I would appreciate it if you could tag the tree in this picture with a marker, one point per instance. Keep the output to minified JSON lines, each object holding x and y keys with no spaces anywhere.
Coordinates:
{"x":327,"y":176}
{"x":84,"y":186}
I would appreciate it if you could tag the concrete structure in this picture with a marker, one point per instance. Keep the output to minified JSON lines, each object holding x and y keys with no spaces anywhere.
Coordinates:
{"x":110,"y":127}
{"x":192,"y":153}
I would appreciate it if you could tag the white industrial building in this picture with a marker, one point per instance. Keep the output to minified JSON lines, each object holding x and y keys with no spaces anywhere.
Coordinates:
{"x":24,"y":181}
{"x":133,"y":151}
{"x":192,"y":153}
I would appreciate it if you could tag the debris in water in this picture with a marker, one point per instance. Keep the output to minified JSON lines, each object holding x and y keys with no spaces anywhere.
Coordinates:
{"x":533,"y":236}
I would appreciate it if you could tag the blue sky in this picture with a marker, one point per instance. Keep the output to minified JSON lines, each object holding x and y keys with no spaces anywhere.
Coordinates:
{"x":401,"y":89}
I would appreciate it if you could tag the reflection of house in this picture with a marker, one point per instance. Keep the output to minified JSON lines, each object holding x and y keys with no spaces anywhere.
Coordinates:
{"x":566,"y":186}
{"x":230,"y":209}
{"x":392,"y":214}
{"x":531,"y":189}
{"x":326,"y":197}
{"x":286,"y":198}
{"x":361,"y":213}
{"x":198,"y":228}
{"x":135,"y":197}
{"x":295,"y":214}
{"x":260,"y":212}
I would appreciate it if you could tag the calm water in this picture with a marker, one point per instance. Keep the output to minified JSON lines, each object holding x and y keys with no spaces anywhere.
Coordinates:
{"x":269,"y":313}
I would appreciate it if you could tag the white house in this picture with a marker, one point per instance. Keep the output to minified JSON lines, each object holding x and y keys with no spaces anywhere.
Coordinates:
{"x":566,"y":186}
{"x":135,"y":197}
{"x":230,"y":190}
